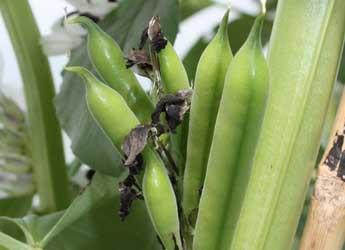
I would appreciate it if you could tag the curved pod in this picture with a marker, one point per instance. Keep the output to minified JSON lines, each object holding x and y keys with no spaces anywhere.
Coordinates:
{"x":108,"y":59}
{"x":113,"y":115}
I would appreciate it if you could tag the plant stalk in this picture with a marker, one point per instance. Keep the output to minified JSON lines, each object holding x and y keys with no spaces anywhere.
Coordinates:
{"x":304,"y":55}
{"x":325,"y":228}
{"x":45,"y":135}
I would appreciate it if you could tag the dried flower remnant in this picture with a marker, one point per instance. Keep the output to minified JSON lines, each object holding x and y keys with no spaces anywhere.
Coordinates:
{"x":174,"y":106}
{"x":129,"y":191}
{"x":134,"y":144}
{"x":139,"y":61}
{"x":155,"y":35}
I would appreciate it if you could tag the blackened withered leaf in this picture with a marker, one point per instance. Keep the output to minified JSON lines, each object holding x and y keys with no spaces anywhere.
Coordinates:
{"x":135,"y":143}
{"x":141,"y":63}
{"x":127,"y":196}
{"x":174,"y":106}
{"x":143,"y":38}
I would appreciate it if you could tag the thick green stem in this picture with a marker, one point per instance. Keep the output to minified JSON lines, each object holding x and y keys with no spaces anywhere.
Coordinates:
{"x":45,"y":134}
{"x":303,"y":59}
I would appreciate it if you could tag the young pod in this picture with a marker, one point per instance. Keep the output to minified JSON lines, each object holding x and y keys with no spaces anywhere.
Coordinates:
{"x":209,"y":81}
{"x":234,"y":142}
{"x":173,"y":73}
{"x":113,"y":115}
{"x":108,"y":59}
{"x":174,"y":78}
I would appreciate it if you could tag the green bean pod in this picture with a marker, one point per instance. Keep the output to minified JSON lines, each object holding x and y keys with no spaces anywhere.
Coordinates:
{"x":113,"y":115}
{"x":175,"y":78}
{"x":234,"y":142}
{"x":108,"y":59}
{"x":173,"y":73}
{"x":209,"y":82}
{"x":161,"y":201}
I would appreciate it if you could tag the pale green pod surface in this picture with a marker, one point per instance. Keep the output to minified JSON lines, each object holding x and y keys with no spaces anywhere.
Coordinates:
{"x":160,"y":201}
{"x":209,"y":82}
{"x":108,"y":59}
{"x":175,"y":78}
{"x":114,"y":116}
{"x":173,"y":73}
{"x":107,"y":107}
{"x":235,"y":138}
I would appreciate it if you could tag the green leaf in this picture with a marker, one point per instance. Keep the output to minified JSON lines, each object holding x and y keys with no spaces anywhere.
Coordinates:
{"x":45,"y":134}
{"x":125,"y":24}
{"x":16,"y":206}
{"x":189,"y":7}
{"x":10,"y":243}
{"x":91,"y":222}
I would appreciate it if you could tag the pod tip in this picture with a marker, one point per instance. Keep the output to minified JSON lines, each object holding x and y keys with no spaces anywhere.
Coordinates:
{"x":82,"y":20}
{"x":82,"y":72}
{"x":223,"y":28}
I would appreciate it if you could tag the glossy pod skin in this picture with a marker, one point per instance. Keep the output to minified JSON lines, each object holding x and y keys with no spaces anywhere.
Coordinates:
{"x":160,"y":201}
{"x":173,"y":73}
{"x":113,"y":115}
{"x":235,"y":138}
{"x":108,"y":59}
{"x":175,"y":78}
{"x":209,"y":82}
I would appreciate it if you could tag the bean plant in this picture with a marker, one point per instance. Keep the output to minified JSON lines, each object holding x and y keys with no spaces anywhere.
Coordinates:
{"x":217,"y":154}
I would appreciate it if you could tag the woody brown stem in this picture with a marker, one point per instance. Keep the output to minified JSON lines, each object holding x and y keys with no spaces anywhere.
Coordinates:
{"x":325,"y":227}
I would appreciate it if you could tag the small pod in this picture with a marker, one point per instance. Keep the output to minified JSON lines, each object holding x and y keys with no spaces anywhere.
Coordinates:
{"x":209,"y":82}
{"x":237,"y":130}
{"x":113,"y":115}
{"x":173,"y":73}
{"x":174,"y":78}
{"x":108,"y":59}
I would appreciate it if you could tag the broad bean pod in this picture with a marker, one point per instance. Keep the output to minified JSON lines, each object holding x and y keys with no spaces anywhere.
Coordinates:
{"x":209,"y":82}
{"x":174,"y":78}
{"x":114,"y":116}
{"x":108,"y":59}
{"x":237,"y":130}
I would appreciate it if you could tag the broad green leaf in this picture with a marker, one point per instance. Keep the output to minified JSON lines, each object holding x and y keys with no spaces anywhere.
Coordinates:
{"x":189,"y":7}
{"x":15,"y":206}
{"x":125,"y":24}
{"x":91,"y":222}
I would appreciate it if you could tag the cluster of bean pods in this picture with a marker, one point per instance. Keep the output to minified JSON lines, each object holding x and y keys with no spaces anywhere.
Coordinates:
{"x":213,"y":147}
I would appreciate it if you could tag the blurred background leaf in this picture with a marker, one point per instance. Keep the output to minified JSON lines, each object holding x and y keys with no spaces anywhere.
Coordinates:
{"x":91,"y":222}
{"x":125,"y":24}
{"x":189,"y":7}
{"x":17,"y":206}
